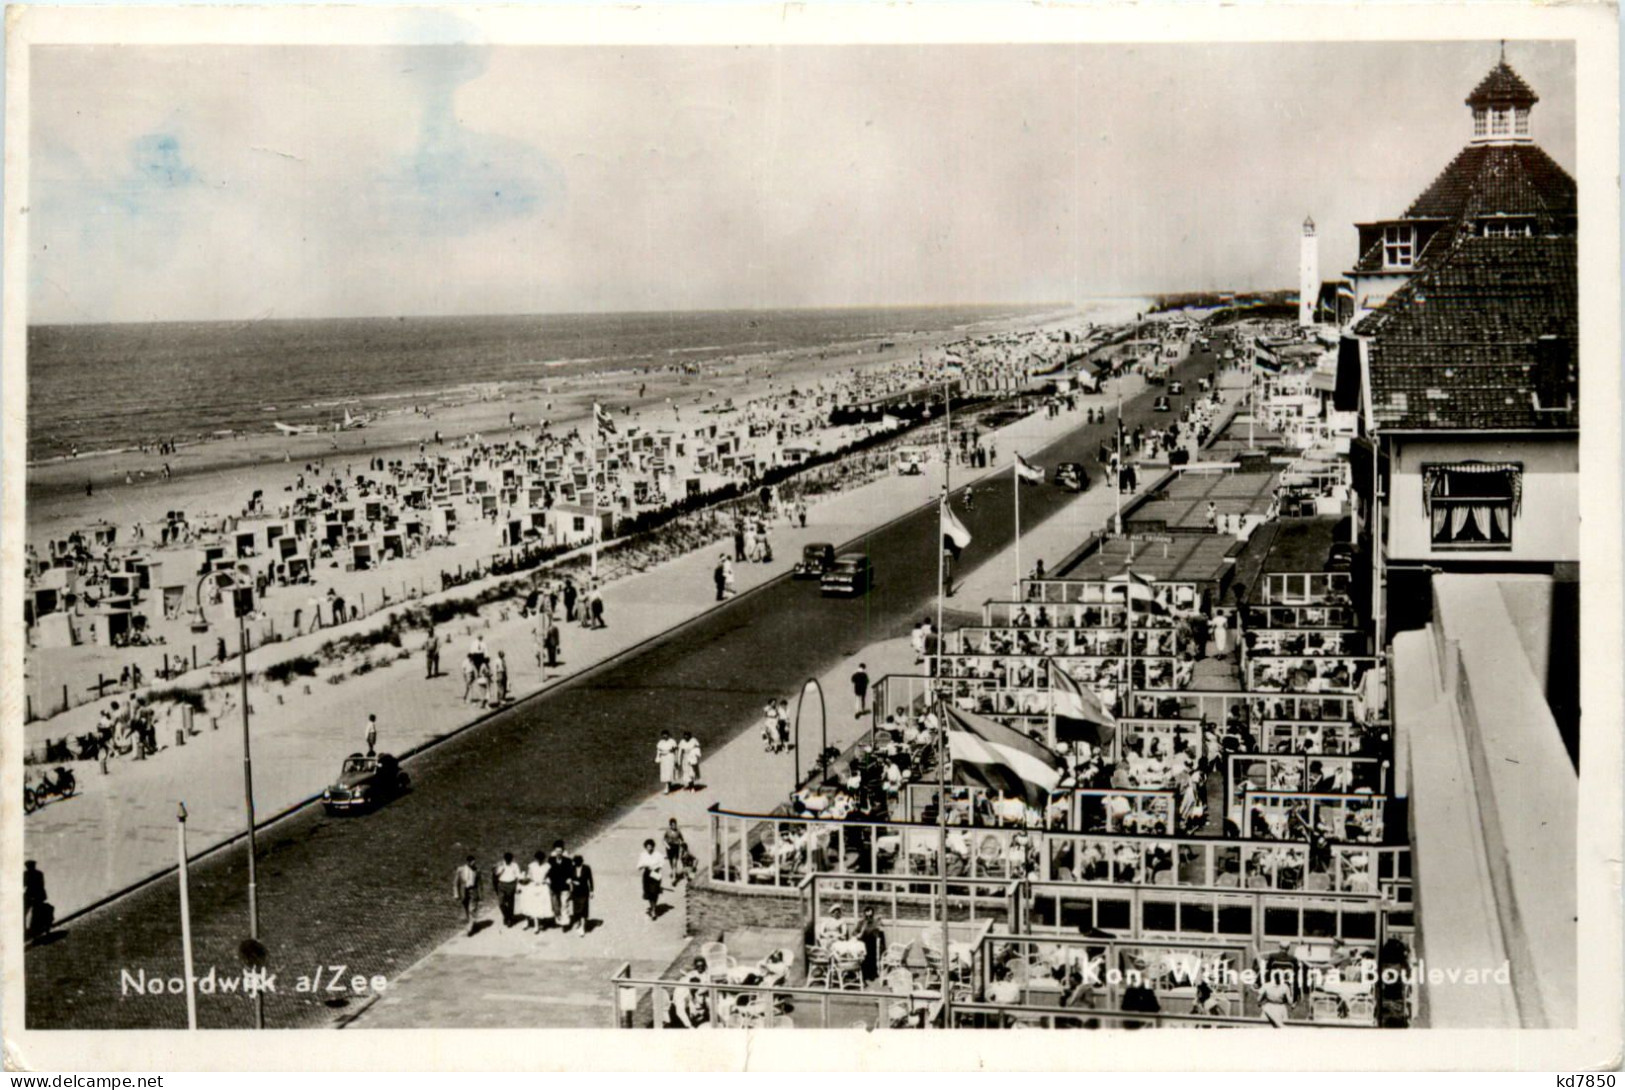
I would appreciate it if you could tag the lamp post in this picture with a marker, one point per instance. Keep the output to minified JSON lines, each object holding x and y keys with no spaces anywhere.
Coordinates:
{"x":242,"y":600}
{"x":186,"y":918}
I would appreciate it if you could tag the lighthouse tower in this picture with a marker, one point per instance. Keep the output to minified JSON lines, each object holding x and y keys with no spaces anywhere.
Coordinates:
{"x":1308,"y":274}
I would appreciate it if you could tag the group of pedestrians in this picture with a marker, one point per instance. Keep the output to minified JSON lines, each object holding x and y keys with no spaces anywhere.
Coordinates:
{"x":485,"y":677}
{"x":553,"y":890}
{"x":678,"y":762}
{"x":776,"y":726}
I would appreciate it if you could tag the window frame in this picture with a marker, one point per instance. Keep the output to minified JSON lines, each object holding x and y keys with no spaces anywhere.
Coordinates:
{"x":1398,"y":246}
{"x":1442,"y":538}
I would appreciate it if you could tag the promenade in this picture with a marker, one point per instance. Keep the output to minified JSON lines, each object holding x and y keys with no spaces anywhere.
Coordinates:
{"x":502,"y":978}
{"x":120,"y":830}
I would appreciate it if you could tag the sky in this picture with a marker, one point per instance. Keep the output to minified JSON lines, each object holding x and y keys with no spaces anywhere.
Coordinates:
{"x":238,"y":182}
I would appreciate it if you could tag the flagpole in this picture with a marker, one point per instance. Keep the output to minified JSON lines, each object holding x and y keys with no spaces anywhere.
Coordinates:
{"x":1122,"y":458}
{"x":944,"y":773}
{"x":592,"y":486}
{"x":1015,"y":486}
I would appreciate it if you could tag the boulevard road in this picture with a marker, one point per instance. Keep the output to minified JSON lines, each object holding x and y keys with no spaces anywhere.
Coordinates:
{"x":372,"y":893}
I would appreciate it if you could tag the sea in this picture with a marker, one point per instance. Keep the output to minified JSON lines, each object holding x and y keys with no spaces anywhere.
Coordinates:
{"x":94,"y":388}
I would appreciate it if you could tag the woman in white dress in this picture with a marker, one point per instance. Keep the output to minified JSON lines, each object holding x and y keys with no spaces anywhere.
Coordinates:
{"x":688,"y":755}
{"x":533,"y":903}
{"x":666,"y":758}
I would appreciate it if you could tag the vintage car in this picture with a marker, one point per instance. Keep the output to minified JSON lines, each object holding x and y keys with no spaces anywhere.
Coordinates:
{"x":1162,"y":405}
{"x":1072,"y":476}
{"x":816,"y":559}
{"x":366,"y":781}
{"x":851,"y":574}
{"x":1176,"y":388}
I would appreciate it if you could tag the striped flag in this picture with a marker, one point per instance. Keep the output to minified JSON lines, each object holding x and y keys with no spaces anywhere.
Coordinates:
{"x":1027,"y":471}
{"x":954,"y":535}
{"x":1138,"y":589}
{"x":606,"y":423}
{"x":1266,"y":360}
{"x":1000,"y":758}
{"x":1078,"y":712}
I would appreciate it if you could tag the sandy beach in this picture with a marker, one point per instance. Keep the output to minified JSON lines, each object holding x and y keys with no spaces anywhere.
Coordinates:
{"x":218,"y":475}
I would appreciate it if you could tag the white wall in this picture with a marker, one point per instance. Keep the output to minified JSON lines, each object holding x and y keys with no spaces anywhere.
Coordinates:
{"x":1546,"y":527}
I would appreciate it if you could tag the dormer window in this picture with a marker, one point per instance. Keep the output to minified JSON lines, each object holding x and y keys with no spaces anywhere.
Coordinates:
{"x":1501,"y":122}
{"x":1398,"y":246}
{"x":1481,"y":122}
{"x":1520,"y":124}
{"x":1505,"y":227}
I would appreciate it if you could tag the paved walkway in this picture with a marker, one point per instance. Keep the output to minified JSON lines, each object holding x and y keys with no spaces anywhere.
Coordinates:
{"x":510,"y":979}
{"x":120,"y":830}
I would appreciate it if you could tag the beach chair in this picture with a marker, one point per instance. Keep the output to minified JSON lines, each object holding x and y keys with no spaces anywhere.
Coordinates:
{"x":819,"y":965}
{"x":848,"y":973}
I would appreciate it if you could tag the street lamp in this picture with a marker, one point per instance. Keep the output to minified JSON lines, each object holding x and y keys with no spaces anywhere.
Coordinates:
{"x":186,"y":917}
{"x":242,"y":602}
{"x":823,"y":724}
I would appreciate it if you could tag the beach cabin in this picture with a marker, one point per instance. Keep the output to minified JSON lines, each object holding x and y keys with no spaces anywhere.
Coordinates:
{"x":211,"y":555}
{"x":392,"y":545}
{"x":55,"y":630}
{"x":123,"y":585}
{"x":412,"y":527}
{"x":443,"y":521}
{"x":572,"y":524}
{"x":243,"y":543}
{"x":110,"y":626}
{"x":363,"y":555}
{"x":488,"y":504}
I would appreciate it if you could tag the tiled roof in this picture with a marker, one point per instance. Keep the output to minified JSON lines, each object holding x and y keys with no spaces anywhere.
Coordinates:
{"x":1512,"y":179}
{"x":1489,"y":180}
{"x":1454,"y":347}
{"x":1502,"y":85}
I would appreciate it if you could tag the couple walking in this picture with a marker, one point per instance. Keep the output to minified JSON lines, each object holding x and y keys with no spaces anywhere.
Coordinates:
{"x":723,"y":577}
{"x":679,"y":762}
{"x":553,"y":887}
{"x":652,"y":867}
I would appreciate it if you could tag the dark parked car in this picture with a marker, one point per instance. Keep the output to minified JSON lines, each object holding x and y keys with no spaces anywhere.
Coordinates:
{"x":850,"y":575}
{"x":816,"y":559}
{"x":1072,"y":476}
{"x":1176,"y":388}
{"x":1341,"y":557}
{"x":365,"y":782}
{"x":1162,"y":405}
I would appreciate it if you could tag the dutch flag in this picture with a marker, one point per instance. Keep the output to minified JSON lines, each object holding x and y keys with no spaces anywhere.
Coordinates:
{"x":1027,"y":471}
{"x":1000,"y":758}
{"x":606,"y":423}
{"x":1078,"y":713}
{"x":954,"y":535}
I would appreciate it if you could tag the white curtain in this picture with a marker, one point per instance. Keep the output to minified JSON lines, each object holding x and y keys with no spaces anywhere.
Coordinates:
{"x":1458,"y":519}
{"x":1503,"y":522}
{"x":1440,"y":514}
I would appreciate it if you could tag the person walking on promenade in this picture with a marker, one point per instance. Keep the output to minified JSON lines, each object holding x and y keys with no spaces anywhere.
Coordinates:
{"x":372,"y":735}
{"x":482,"y":686}
{"x":569,"y":600}
{"x":739,"y":541}
{"x":554,"y":638}
{"x":505,"y":880}
{"x":651,"y":868}
{"x":581,"y":890}
{"x":718,"y":578}
{"x":465,"y":888}
{"x":860,"y":689}
{"x":477,"y":653}
{"x":676,"y":851}
{"x":559,"y":872}
{"x":431,"y":656}
{"x":784,"y":725}
{"x":666,"y":759}
{"x":728,"y":578}
{"x":688,"y":756}
{"x":596,"y":604}
{"x":770,"y":727}
{"x":532,"y":906}
{"x":801,"y":510}
{"x":471,"y":674}
{"x":499,"y":677}
{"x":36,"y":910}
